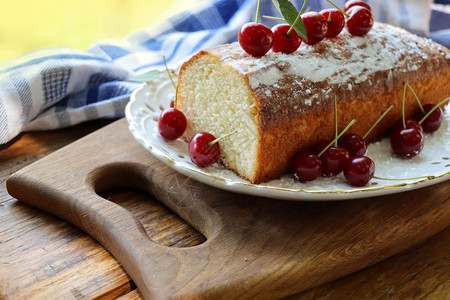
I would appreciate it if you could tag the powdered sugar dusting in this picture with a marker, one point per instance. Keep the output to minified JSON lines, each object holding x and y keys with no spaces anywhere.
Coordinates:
{"x":341,"y":60}
{"x":269,"y":77}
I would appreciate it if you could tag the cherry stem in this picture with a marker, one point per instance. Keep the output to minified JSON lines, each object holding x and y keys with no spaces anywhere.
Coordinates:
{"x":377,"y":121}
{"x":340,"y":134}
{"x":257,"y":11}
{"x":335,"y":120}
{"x":173,"y":83}
{"x":210,"y":144}
{"x":337,"y":7}
{"x":415,"y":95}
{"x":433,"y":109}
{"x":403,"y":107}
{"x":274,"y":18}
{"x":296,"y":19}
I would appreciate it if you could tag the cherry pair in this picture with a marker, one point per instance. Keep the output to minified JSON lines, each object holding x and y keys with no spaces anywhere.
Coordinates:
{"x":326,"y":24}
{"x":308,"y":166}
{"x":257,"y":39}
{"x":330,"y":22}
{"x":407,"y":138}
{"x":203,"y":148}
{"x":360,"y":19}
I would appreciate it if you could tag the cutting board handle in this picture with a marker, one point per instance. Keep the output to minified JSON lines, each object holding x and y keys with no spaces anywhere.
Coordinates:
{"x":178,"y":192}
{"x":124,"y":236}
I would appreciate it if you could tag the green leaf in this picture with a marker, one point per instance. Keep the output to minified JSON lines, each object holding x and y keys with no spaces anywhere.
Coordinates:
{"x":146,"y":77}
{"x":290,"y":13}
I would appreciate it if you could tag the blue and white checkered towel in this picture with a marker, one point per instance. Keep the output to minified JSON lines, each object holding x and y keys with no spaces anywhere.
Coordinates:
{"x":60,"y":87}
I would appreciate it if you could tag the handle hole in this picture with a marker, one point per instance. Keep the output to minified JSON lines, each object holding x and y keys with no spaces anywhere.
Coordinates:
{"x":161,"y":224}
{"x":128,"y":185}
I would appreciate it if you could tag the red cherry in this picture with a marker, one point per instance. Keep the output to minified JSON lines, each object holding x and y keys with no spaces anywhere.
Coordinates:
{"x":282,"y":42}
{"x":352,"y":3}
{"x":358,"y":170}
{"x":354,"y":144}
{"x":255,"y":38}
{"x":172,"y":102}
{"x":360,"y":21}
{"x":316,"y":27}
{"x":306,"y":166}
{"x":337,"y":22}
{"x":433,"y":121}
{"x":333,"y":160}
{"x":409,"y":122}
{"x":200,"y":152}
{"x":172,"y":124}
{"x":407,"y":142}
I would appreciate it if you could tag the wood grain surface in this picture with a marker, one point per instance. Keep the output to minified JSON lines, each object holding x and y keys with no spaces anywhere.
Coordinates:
{"x":254,"y":247}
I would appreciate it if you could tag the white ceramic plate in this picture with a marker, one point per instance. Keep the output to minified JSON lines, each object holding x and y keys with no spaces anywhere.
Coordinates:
{"x":430,"y":167}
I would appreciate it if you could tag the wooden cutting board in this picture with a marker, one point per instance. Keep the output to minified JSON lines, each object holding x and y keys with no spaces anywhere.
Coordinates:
{"x":255,"y":247}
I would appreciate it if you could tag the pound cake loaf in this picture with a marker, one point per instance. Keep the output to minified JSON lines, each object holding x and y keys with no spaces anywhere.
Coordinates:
{"x":283,"y":103}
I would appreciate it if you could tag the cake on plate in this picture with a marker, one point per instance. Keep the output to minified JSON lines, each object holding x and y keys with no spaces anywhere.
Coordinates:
{"x":283,"y":103}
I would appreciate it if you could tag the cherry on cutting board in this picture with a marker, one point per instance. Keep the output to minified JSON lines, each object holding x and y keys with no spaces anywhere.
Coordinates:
{"x":202,"y":151}
{"x":256,"y":39}
{"x":316,"y":27}
{"x":283,"y":41}
{"x":172,"y":124}
{"x":335,"y":21}
{"x":352,"y":3}
{"x":360,"y":20}
{"x":306,"y":166}
{"x":358,"y":170}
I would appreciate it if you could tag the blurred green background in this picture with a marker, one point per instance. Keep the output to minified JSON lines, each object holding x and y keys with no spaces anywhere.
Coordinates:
{"x":27,"y":25}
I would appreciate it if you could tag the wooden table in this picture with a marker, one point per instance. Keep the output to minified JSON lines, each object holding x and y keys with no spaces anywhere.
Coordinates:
{"x":42,"y":256}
